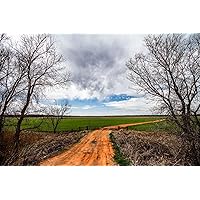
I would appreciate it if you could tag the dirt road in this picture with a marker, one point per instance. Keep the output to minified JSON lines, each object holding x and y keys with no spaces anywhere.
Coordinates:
{"x":95,"y":149}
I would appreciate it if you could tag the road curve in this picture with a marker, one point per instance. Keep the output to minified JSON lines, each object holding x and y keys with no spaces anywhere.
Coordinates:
{"x":94,"y":149}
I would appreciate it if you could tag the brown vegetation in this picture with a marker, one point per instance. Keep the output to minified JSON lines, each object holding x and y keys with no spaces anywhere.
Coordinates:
{"x":143,"y":148}
{"x":34,"y":147}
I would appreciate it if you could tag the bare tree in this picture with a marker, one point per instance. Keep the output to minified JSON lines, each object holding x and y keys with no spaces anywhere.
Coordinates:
{"x":10,"y":79}
{"x":56,"y":112}
{"x":4,"y":72}
{"x":169,"y":72}
{"x":37,"y":54}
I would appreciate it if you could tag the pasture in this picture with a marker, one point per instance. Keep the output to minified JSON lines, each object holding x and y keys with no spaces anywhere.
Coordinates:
{"x":164,"y":126}
{"x":68,"y":124}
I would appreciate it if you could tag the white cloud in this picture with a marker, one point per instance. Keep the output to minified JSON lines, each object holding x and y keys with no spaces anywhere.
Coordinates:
{"x":76,"y":92}
{"x":75,"y":107}
{"x":55,"y":93}
{"x":86,"y":107}
{"x":136,"y":104}
{"x":71,"y":92}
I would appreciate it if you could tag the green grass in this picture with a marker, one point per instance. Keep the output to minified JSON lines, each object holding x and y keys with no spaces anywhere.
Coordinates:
{"x":164,"y":126}
{"x":73,"y":123}
{"x":118,"y":157}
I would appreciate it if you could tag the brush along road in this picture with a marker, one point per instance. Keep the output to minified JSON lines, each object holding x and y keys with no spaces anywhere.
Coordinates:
{"x":94,"y":149}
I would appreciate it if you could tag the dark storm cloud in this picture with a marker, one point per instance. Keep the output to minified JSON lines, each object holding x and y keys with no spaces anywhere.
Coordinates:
{"x":97,"y":62}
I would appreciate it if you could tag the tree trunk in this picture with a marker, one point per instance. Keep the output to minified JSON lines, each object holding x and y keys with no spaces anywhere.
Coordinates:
{"x":2,"y":122}
{"x":17,"y":134}
{"x":55,"y":127}
{"x":190,"y":152}
{"x":54,"y":130}
{"x":18,"y":127}
{"x":1,"y":132}
{"x":1,"y":140}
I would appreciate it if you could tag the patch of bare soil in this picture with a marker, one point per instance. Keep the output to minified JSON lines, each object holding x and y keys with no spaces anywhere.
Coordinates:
{"x":35,"y":147}
{"x":143,"y":148}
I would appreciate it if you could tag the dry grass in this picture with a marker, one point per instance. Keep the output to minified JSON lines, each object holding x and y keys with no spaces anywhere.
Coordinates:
{"x":148,"y":148}
{"x":35,"y":147}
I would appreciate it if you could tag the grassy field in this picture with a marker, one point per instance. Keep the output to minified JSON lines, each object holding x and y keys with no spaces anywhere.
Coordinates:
{"x":164,"y":126}
{"x":81,"y":123}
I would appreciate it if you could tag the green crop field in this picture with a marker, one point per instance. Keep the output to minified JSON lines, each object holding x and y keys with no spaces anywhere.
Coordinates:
{"x":164,"y":126}
{"x":79,"y":123}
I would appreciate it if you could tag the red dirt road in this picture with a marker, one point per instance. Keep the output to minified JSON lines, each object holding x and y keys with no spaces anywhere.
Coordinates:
{"x":95,"y":149}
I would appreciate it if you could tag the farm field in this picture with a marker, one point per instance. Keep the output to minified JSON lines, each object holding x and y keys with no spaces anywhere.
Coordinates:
{"x":79,"y":123}
{"x":164,"y":126}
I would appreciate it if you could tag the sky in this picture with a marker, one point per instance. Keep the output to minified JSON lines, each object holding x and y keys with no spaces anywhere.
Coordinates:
{"x":99,"y":84}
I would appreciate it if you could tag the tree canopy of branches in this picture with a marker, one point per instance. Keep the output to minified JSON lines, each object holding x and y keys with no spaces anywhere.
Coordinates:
{"x":42,"y":63}
{"x":169,"y":72}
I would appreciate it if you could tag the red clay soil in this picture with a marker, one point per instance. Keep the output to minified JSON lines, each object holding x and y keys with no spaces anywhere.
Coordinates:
{"x":94,"y":149}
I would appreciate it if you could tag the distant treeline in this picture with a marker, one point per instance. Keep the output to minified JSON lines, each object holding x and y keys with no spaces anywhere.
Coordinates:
{"x":88,"y":116}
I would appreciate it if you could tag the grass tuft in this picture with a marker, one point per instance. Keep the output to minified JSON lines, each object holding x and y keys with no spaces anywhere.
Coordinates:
{"x":118,"y":157}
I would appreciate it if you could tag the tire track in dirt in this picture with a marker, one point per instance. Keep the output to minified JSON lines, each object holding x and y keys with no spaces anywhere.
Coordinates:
{"x":94,"y":149}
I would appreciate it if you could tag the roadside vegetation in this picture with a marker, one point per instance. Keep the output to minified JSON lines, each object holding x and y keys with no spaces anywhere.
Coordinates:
{"x":147,"y":148}
{"x":119,"y":158}
{"x":36,"y":146}
{"x":148,"y":144}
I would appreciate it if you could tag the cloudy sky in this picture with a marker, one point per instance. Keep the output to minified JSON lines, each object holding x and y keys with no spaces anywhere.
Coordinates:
{"x":99,"y":76}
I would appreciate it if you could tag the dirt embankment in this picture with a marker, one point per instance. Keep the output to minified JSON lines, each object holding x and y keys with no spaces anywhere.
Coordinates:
{"x":94,"y":149}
